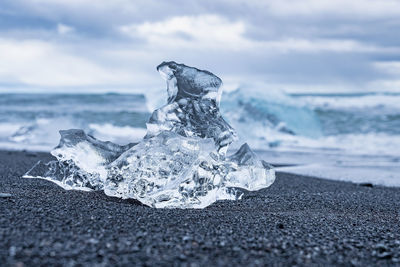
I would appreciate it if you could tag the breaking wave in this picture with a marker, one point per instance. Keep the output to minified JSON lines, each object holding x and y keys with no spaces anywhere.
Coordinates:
{"x":352,"y":123}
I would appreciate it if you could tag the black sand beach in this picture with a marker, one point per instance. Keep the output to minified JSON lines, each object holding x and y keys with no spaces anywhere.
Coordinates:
{"x":297,"y":221}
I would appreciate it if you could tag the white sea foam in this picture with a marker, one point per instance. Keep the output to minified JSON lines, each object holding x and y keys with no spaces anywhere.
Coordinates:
{"x":336,"y":165}
{"x":360,"y":126}
{"x":7,"y":129}
{"x":366,"y":174}
{"x":117,"y":134}
{"x":360,"y":102}
{"x":42,"y":134}
{"x":354,"y":144}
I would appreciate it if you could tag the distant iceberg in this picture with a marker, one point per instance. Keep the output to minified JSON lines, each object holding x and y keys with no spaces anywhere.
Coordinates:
{"x":181,"y":162}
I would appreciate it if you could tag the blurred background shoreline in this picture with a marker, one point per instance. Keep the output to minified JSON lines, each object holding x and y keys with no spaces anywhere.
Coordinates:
{"x":310,"y":83}
{"x":351,"y":137}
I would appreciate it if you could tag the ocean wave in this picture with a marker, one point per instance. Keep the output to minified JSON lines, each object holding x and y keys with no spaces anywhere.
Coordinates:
{"x":376,"y":101}
{"x":116,"y":134}
{"x":355,"y":144}
{"x":272,"y":119}
{"x":269,"y":109}
{"x":7,"y":129}
{"x":266,"y":119}
{"x":43,"y":134}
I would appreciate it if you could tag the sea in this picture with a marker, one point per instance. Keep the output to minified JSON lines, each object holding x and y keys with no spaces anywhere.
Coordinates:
{"x":352,"y":137}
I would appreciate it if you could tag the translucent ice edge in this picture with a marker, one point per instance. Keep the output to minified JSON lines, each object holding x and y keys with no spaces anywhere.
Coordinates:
{"x":180,"y":163}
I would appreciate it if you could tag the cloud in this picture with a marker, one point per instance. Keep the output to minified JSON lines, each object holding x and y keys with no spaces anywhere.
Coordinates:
{"x":340,"y":8}
{"x":217,"y":32}
{"x":64,"y":29}
{"x":205,"y":31}
{"x":388,"y":67}
{"x":388,"y":85}
{"x":39,"y":63}
{"x":310,"y":8}
{"x":115,"y":44}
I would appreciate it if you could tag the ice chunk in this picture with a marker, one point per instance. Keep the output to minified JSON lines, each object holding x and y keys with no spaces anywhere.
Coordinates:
{"x":81,"y":161}
{"x":193,"y":106}
{"x":106,"y":151}
{"x":180,"y":163}
{"x":188,"y":82}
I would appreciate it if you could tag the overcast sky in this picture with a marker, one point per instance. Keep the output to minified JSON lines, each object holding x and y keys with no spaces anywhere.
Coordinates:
{"x":115,"y":45}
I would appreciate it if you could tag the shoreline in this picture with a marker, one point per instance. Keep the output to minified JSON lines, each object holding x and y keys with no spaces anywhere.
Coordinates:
{"x":374,"y":170}
{"x":297,"y":221}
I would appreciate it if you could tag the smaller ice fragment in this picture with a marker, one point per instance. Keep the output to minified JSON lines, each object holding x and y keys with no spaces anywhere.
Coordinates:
{"x":81,"y":161}
{"x":107,"y":151}
{"x":5,"y":195}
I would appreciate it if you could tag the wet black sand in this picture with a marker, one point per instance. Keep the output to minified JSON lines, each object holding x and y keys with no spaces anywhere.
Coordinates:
{"x":297,"y":221}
